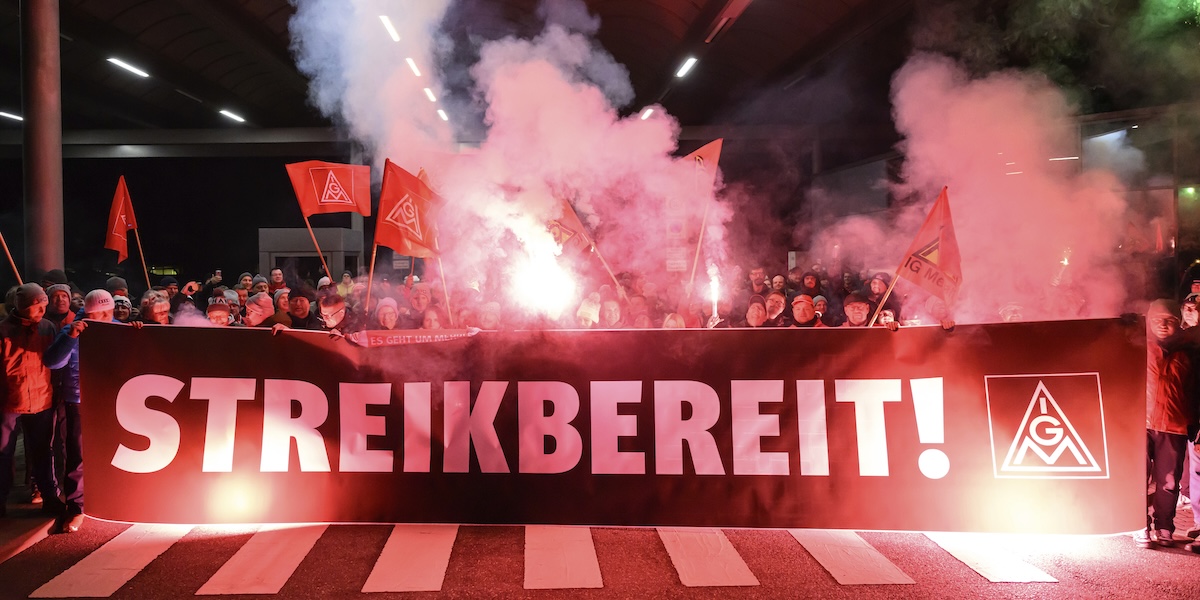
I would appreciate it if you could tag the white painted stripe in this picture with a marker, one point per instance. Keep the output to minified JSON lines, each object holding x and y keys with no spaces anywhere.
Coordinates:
{"x":849,"y":558}
{"x":705,"y":558}
{"x":560,"y":558}
{"x":265,"y":562}
{"x":988,"y":558}
{"x":414,"y":559}
{"x":103,"y":572}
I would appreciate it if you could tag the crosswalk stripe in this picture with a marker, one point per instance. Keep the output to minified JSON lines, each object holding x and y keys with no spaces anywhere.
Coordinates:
{"x":560,"y":558}
{"x":103,"y":572}
{"x":414,"y":559}
{"x":265,"y":562}
{"x":705,"y":558}
{"x":849,"y":558}
{"x":993,"y":562}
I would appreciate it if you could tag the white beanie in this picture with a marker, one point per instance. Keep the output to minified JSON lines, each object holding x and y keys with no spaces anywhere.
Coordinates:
{"x":97,"y":301}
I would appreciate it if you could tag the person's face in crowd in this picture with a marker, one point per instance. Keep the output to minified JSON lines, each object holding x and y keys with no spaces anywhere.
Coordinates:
{"x":218,"y":317}
{"x":775,"y":305}
{"x":122,"y":312}
{"x":334,"y":314}
{"x":585,"y":321}
{"x":1195,"y":287}
{"x":76,"y":301}
{"x":387,"y":318}
{"x":102,"y":315}
{"x":431,"y":320}
{"x":857,"y":313}
{"x":886,"y":316}
{"x":420,"y":298}
{"x":642,"y":322}
{"x":1190,"y":314}
{"x":757,"y":275}
{"x":810,"y":281}
{"x":159,"y":312}
{"x":60,"y":302}
{"x":283,"y":302}
{"x":277,"y":275}
{"x":34,"y":313}
{"x":756,"y":315}
{"x":674,"y":322}
{"x":246,"y":281}
{"x":172,"y":289}
{"x":794,"y":277}
{"x":821,"y":306}
{"x":610,"y":313}
{"x":262,"y":286}
{"x":637,"y":305}
{"x":489,"y":320}
{"x":1163,"y":326}
{"x":878,"y":287}
{"x":298,"y":307}
{"x":778,"y":282}
{"x":243,"y":294}
{"x":802,"y":309}
{"x":347,"y":279}
{"x":255,"y":315}
{"x":847,"y":280}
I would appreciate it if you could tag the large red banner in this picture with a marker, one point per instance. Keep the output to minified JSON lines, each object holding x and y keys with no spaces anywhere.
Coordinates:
{"x":1035,"y":427}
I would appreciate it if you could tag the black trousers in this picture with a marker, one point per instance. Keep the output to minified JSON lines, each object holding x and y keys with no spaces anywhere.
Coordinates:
{"x":1164,"y":467}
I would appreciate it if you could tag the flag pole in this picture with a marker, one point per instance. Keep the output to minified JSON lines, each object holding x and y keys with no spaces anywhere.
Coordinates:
{"x":620,"y":288}
{"x":370,"y":279}
{"x":320,"y":254}
{"x":11,"y":262}
{"x":142,"y":256}
{"x":696,"y":260}
{"x":884,"y":299}
{"x":445,"y":290}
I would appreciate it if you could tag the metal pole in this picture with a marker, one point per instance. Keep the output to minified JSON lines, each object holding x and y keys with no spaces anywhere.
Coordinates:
{"x":41,"y":97}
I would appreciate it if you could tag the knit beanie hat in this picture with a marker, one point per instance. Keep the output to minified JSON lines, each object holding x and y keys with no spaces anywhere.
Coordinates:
{"x":55,"y":276}
{"x":1162,"y":308}
{"x":30,"y":294}
{"x":168,"y":280}
{"x":245,"y":275}
{"x":98,"y":301}
{"x":278,"y":294}
{"x":115,"y":283}
{"x":218,"y":304}
{"x":59,"y":287}
{"x":122,"y":300}
{"x":263,"y":301}
{"x":386,"y":303}
{"x":232,"y":298}
{"x":258,"y":279}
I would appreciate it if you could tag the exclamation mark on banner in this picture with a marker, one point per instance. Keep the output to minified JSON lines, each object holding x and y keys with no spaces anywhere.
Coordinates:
{"x":931,"y":426}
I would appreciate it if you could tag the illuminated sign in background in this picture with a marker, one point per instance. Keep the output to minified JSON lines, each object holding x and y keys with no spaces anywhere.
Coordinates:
{"x":1035,"y":427}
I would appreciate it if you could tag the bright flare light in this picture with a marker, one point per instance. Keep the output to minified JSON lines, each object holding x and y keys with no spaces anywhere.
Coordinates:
{"x":128,"y":67}
{"x":387,"y":24}
{"x":412,"y":64}
{"x":542,"y":285}
{"x":11,"y":116}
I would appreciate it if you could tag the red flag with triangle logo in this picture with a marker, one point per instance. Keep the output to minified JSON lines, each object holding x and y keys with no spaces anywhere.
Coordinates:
{"x":933,"y":261}
{"x":324,"y":187}
{"x":120,"y":221}
{"x":568,"y":230}
{"x":408,"y":209}
{"x":683,"y":218}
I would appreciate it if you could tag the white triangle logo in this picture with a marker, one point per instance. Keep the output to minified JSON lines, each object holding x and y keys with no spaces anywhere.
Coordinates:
{"x":119,"y":229}
{"x":334,"y":193}
{"x":1046,"y":441}
{"x":404,"y":216}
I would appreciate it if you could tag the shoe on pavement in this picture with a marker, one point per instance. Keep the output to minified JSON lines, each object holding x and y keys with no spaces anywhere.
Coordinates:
{"x":1165,"y":538}
{"x":71,"y":523}
{"x":35,"y":497}
{"x":1142,"y":538}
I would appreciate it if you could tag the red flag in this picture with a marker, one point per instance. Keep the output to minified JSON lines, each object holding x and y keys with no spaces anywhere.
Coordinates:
{"x":683,"y":219}
{"x":407,"y":220}
{"x":120,"y":221}
{"x":933,"y":261}
{"x":568,"y":230}
{"x":323,"y":187}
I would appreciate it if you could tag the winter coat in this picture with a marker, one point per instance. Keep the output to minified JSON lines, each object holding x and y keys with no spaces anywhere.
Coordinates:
{"x":27,"y":357}
{"x":1169,"y":406}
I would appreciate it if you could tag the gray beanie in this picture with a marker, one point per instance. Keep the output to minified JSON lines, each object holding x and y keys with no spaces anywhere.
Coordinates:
{"x":30,"y":294}
{"x":258,"y":279}
{"x":263,"y":301}
{"x":115,"y":283}
{"x":59,"y":287}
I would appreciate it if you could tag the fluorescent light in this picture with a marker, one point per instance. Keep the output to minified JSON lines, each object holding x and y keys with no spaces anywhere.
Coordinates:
{"x":1009,"y":164}
{"x":687,"y":66}
{"x":232,"y":116}
{"x":189,"y":96}
{"x":1015,"y":173}
{"x":412,"y":64}
{"x":442,"y":114}
{"x":11,"y":116}
{"x":646,"y":113}
{"x":1134,"y":127}
{"x":128,"y":67}
{"x":1066,"y":158}
{"x":387,"y":24}
{"x":429,"y":94}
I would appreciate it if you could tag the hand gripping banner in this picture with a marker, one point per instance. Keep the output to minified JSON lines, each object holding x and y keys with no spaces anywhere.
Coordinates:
{"x":1033,"y":427}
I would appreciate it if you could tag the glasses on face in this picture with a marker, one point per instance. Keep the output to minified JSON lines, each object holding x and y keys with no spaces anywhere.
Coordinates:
{"x":336,"y":313}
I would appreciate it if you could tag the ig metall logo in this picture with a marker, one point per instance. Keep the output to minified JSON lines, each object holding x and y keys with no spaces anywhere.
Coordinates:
{"x":1048,"y":426}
